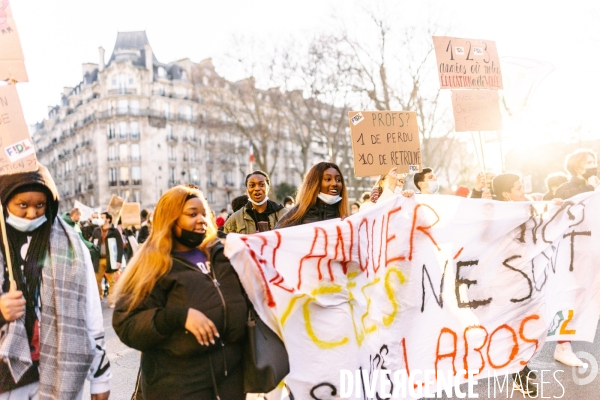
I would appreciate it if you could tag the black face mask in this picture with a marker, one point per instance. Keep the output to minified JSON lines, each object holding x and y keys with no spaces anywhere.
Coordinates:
{"x":190,"y":238}
{"x":590,"y":172}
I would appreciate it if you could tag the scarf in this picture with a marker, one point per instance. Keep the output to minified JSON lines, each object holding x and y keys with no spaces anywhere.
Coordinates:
{"x":66,"y":353}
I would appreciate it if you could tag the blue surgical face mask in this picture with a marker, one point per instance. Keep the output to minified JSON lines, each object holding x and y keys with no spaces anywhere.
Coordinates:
{"x":25,"y":224}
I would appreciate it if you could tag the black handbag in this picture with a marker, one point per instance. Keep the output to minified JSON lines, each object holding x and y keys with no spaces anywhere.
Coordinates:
{"x":266,"y":360}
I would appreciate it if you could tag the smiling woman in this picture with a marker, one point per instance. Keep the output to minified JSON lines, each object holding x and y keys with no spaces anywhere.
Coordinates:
{"x":181,"y":304}
{"x":260,"y":214}
{"x":322,"y":196}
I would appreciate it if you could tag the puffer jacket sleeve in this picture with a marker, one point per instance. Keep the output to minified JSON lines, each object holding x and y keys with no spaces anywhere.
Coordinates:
{"x":136,"y":328}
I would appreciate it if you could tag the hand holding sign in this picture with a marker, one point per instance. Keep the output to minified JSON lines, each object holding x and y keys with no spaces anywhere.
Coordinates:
{"x":385,"y":139}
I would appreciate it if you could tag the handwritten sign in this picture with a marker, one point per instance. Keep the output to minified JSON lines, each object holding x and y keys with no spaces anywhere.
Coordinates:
{"x":12,"y":61}
{"x":17,"y":153}
{"x":382,"y":140}
{"x":476,"y":110}
{"x":114,"y":207}
{"x":130,"y":215}
{"x":428,"y":286}
{"x":467,"y":63}
{"x":86,"y":211}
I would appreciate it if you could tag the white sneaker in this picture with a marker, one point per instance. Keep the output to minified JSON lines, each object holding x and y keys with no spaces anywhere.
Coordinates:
{"x":564,"y":353}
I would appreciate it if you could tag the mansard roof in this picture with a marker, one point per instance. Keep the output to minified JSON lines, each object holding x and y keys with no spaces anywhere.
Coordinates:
{"x":132,"y":41}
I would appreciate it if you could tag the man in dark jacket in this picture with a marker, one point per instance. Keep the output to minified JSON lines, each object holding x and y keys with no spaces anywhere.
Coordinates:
{"x":145,"y":229}
{"x":111,"y":253}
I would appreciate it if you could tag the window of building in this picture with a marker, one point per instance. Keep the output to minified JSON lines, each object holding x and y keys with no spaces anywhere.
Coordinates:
{"x":123,"y":153}
{"x":135,"y":151}
{"x":191,"y":132}
{"x":124,"y":175}
{"x":194,"y":176}
{"x":137,"y":196}
{"x":210,"y":196}
{"x":112,"y":153}
{"x":134,"y":129}
{"x":122,"y":129}
{"x":134,"y":107}
{"x":92,"y":200}
{"x":162,"y":73}
{"x":112,"y":177}
{"x":122,"y":106}
{"x":169,"y":129}
{"x":136,"y":175}
{"x":172,"y":175}
{"x":111,"y":131}
{"x":167,"y":110}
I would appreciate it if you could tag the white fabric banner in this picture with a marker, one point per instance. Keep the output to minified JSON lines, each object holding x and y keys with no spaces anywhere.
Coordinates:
{"x":427,"y":283}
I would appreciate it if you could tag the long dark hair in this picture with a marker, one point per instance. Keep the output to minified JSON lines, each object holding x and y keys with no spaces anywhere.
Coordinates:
{"x":308,"y":192}
{"x":29,"y":278}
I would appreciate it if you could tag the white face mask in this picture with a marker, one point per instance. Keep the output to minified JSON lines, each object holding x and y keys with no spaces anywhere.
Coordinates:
{"x":98,"y":221}
{"x":25,"y":224}
{"x":289,"y":205}
{"x":433,"y":186}
{"x":329,"y":199}
{"x":258,"y":204}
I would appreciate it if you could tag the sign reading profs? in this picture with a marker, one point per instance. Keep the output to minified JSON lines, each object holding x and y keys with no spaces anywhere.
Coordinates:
{"x":382,"y":140}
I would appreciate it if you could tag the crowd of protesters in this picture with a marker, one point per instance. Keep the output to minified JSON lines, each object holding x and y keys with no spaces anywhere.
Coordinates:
{"x":179,"y":300}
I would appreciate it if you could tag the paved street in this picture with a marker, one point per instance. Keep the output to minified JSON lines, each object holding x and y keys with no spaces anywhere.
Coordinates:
{"x":125,"y":362}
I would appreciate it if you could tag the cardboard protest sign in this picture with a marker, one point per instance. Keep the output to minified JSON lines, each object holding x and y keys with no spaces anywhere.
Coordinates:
{"x":12,"y":61}
{"x":382,"y":140}
{"x":86,"y":212}
{"x":130,"y":215}
{"x":423,"y":288}
{"x":114,"y":207}
{"x":17,"y":153}
{"x":476,"y":110}
{"x":467,"y":63}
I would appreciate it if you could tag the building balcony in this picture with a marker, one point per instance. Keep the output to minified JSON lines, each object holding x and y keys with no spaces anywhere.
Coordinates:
{"x":113,"y":92}
{"x":171,"y":138}
{"x":112,"y":183}
{"x":211,"y":184}
{"x":124,"y":182}
{"x":134,"y":158}
{"x":90,"y":186}
{"x":136,"y":182}
{"x":134,"y":135}
{"x":109,"y":158}
{"x":112,"y":137}
{"x":123,"y":136}
{"x":172,"y":158}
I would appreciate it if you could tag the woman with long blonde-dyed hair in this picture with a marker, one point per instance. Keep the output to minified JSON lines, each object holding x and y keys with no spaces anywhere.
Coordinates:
{"x":153,"y":259}
{"x":181,"y":304}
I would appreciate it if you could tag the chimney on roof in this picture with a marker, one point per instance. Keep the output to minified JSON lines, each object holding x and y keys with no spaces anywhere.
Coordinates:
{"x":101,"y":64}
{"x":149,"y":66}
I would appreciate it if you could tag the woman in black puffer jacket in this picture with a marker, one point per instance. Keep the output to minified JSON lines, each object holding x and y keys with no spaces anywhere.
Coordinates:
{"x":322,"y":196}
{"x":181,"y":304}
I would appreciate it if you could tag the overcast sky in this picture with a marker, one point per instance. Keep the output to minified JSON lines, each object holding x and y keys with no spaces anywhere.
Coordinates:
{"x":58,"y":36}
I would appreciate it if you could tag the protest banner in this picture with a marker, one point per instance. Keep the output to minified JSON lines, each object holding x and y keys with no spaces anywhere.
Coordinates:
{"x":12,"y":61}
{"x":476,"y":110}
{"x":86,"y":212}
{"x":467,"y":63}
{"x":114,"y":207}
{"x":428,"y":286}
{"x":130,"y":215}
{"x":382,"y":140}
{"x":17,"y":153}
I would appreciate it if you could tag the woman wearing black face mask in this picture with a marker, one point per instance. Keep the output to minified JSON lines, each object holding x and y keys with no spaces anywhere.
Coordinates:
{"x":181,"y":304}
{"x":582,"y":165}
